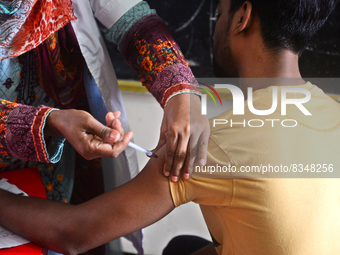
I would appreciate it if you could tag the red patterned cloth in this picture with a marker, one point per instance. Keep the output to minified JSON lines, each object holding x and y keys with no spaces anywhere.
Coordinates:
{"x":151,"y":50}
{"x":59,"y":67}
{"x":21,"y":131}
{"x":31,"y":24}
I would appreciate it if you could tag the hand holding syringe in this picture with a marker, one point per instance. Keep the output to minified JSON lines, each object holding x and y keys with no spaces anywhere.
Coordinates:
{"x":131,"y":144}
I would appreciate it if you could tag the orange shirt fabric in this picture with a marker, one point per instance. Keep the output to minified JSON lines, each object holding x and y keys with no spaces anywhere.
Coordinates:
{"x":249,"y":214}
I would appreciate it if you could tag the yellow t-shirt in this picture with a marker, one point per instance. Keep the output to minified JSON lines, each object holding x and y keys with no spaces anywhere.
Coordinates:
{"x":256,"y":215}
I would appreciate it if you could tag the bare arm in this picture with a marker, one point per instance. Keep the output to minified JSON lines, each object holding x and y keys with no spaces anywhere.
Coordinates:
{"x":74,"y":229}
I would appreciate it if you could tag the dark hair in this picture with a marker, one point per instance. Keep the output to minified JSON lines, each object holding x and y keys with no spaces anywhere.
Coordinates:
{"x":289,"y":24}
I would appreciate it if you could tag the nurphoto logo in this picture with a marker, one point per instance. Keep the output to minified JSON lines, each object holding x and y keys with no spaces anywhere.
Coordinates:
{"x":238,"y":102}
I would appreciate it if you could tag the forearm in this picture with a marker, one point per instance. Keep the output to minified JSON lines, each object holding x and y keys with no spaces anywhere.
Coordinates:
{"x":150,"y":49}
{"x":47,"y":223}
{"x":74,"y":229}
{"x":61,"y":227}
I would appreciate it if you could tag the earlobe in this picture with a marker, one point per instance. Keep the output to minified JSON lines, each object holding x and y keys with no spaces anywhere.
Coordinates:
{"x":243,"y":17}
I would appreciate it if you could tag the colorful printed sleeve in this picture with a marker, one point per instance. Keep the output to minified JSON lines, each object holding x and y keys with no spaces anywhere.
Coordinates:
{"x":21,"y":133}
{"x":150,"y":49}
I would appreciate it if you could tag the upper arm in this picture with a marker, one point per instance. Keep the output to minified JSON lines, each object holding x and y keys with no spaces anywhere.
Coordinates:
{"x":74,"y":229}
{"x":132,"y":206}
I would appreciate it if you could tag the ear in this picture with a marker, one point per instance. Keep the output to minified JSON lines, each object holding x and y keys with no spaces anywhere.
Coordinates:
{"x":243,"y":17}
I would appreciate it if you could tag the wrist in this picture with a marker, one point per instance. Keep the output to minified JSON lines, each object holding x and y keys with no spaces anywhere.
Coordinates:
{"x":189,"y":97}
{"x":181,"y":88}
{"x":52,"y":121}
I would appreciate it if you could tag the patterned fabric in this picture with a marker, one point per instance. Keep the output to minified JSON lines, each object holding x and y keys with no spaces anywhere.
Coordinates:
{"x":24,"y":24}
{"x":9,"y":7}
{"x":151,"y":50}
{"x":56,"y":66}
{"x":179,"y":79}
{"x":59,"y":67}
{"x":9,"y":76}
{"x":19,"y":82}
{"x":6,"y":108}
{"x":118,"y":30}
{"x":28,"y":91}
{"x":58,"y":178}
{"x":22,"y":140}
{"x":21,"y":128}
{"x":19,"y":123}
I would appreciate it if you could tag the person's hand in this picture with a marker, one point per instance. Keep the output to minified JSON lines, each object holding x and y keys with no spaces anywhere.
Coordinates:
{"x":87,"y":135}
{"x":185,"y":131}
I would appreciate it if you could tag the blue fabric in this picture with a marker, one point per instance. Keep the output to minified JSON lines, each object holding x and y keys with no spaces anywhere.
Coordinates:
{"x":9,"y":8}
{"x":96,"y":102}
{"x":53,"y":253}
{"x":9,"y":76}
{"x":116,"y":33}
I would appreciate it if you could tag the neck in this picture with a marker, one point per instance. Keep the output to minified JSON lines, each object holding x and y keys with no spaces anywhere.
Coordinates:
{"x":281,"y":69}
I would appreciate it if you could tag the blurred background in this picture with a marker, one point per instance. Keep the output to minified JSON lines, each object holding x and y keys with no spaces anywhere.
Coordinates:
{"x":192,"y":24}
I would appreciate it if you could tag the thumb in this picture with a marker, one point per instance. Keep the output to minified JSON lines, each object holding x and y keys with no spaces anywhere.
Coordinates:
{"x":107,"y":134}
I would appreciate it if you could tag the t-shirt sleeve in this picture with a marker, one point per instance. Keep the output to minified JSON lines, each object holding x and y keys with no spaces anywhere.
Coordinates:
{"x":204,"y":189}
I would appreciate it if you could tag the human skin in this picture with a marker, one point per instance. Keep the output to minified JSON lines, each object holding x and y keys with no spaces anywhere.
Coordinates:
{"x":73,"y":229}
{"x":244,"y":53}
{"x":87,"y":135}
{"x":185,"y":133}
{"x":144,"y":200}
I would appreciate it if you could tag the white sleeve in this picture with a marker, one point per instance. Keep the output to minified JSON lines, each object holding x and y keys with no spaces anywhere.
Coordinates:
{"x":109,"y":12}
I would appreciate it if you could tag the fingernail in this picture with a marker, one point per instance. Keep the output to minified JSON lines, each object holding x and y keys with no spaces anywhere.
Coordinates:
{"x":112,"y":135}
{"x":174,"y":178}
{"x":186,"y":176}
{"x":202,"y":162}
{"x":166,"y":173}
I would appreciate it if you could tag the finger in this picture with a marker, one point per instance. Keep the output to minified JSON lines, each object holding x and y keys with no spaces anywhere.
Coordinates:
{"x":203,"y":148}
{"x":117,"y":125}
{"x":179,"y":157}
{"x":193,"y":144}
{"x":100,"y":149}
{"x":111,"y":116}
{"x":106,"y":133}
{"x":171,"y":146}
{"x":116,"y":114}
{"x":186,"y":167}
{"x":122,"y":144}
